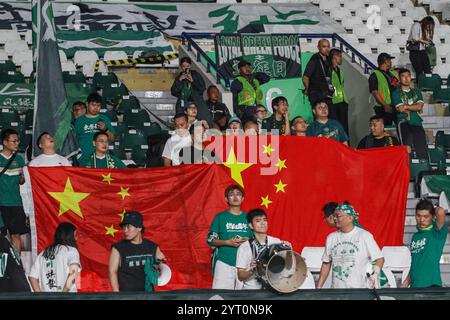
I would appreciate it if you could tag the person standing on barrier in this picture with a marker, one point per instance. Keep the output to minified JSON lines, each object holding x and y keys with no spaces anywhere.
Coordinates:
{"x":317,"y":78}
{"x":382,"y":82}
{"x":348,"y":251}
{"x":249,"y":250}
{"x":228,"y":231}
{"x":339,"y":99}
{"x":427,"y":245}
{"x":246,"y":90}
{"x":409,"y":102}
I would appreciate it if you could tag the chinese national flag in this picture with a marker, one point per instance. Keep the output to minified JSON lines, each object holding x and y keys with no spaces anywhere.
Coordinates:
{"x":179,"y":203}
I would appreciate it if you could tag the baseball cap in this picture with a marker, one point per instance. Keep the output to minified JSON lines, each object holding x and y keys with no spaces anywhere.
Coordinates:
{"x":383,"y":57}
{"x":243,"y":63}
{"x":234,"y":119}
{"x":134,"y":218}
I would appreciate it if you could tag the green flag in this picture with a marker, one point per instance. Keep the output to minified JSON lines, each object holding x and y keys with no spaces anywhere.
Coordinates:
{"x":52,"y":112}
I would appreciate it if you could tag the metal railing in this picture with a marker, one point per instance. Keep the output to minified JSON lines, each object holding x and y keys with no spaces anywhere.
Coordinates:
{"x":345,"y":47}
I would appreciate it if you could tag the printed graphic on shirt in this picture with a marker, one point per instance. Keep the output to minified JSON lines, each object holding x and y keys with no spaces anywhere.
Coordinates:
{"x":418,"y":246}
{"x":236,"y":227}
{"x":344,"y":259}
{"x":137,"y":261}
{"x":50,"y":275}
{"x":327,"y":133}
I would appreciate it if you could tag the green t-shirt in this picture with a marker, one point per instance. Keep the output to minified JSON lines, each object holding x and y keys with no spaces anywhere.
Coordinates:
{"x":408,"y":98}
{"x":272,"y":123}
{"x":226,"y":226}
{"x":426,"y":250}
{"x":107,"y":162}
{"x":85,"y":128}
{"x":9,"y":182}
{"x":332,"y":129}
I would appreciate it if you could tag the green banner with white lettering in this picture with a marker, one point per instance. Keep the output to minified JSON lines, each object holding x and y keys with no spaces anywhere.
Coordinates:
{"x":277,"y":55}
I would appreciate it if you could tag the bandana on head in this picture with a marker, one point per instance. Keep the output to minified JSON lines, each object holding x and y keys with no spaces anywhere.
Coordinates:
{"x":348,"y":209}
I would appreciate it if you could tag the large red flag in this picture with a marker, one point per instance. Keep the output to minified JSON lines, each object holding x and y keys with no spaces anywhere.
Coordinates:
{"x":179,"y":203}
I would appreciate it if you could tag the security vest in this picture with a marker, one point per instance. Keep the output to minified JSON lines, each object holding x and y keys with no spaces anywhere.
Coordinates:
{"x":337,"y":82}
{"x":383,"y":85}
{"x":248,"y":96}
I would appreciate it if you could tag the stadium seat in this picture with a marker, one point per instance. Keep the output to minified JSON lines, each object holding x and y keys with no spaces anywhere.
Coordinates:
{"x":73,"y":77}
{"x":12,"y":76}
{"x":328,"y":5}
{"x":349,"y":22}
{"x":83,"y":56}
{"x":132,"y":138}
{"x":152,"y":130}
{"x":9,"y":117}
{"x":429,"y":82}
{"x":12,"y":46}
{"x":390,"y":13}
{"x":25,"y":136}
{"x":29,"y":118}
{"x":361,"y":31}
{"x":442,"y":94}
{"x":390,"y":30}
{"x":111,"y":114}
{"x":3,"y":55}
{"x":62,"y":56}
{"x":114,"y":92}
{"x":313,"y":257}
{"x":416,"y":13}
{"x":68,"y":66}
{"x":397,"y":259}
{"x":363,"y":13}
{"x":9,"y":35}
{"x":363,"y":48}
{"x":6,"y":65}
{"x":442,"y":139}
{"x":437,"y":155}
{"x":443,"y":70}
{"x":127,"y":103}
{"x":399,"y":39}
{"x":118,"y":151}
{"x":21,"y":56}
{"x":402,"y":5}
{"x":115,"y":55}
{"x":417,"y":166}
{"x":27,"y":68}
{"x":120,"y":129}
{"x":101,"y":80}
{"x":374,"y":41}
{"x":404,"y":23}
{"x":139,"y":154}
{"x":136,"y":118}
{"x":29,"y":37}
{"x":338,"y":14}
{"x":352,"y":5}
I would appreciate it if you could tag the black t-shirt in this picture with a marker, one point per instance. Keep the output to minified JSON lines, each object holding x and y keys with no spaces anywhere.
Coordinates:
{"x":12,"y":278}
{"x":377,"y":143}
{"x":272,"y":123}
{"x":316,"y":70}
{"x":132,"y":260}
{"x":217,"y":109}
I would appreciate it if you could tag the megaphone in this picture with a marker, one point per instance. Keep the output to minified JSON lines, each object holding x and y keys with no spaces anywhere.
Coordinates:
{"x":280,"y":268}
{"x":164,"y":275}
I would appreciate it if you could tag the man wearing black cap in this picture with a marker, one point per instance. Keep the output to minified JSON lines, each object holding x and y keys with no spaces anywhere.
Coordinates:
{"x":245,"y":89}
{"x":382,"y":82}
{"x":128,"y":257}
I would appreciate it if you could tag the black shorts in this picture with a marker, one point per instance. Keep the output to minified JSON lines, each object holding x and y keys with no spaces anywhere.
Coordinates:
{"x":15,"y":220}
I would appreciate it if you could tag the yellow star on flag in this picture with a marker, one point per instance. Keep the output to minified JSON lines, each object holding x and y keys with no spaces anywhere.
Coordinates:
{"x":69,"y":199}
{"x":107,"y":178}
{"x":268,"y":149}
{"x":121,"y":215}
{"x":123,"y":192}
{"x":265,"y":202}
{"x":280,"y":186}
{"x":236,"y":167}
{"x":111,"y":230}
{"x":281,"y":164}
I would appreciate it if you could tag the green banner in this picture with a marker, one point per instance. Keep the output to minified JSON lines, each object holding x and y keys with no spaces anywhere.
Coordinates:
{"x":277,"y":55}
{"x":438,"y":184}
{"x":17,"y":96}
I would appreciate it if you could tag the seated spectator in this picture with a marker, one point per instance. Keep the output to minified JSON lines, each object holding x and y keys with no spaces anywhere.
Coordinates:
{"x":234,"y":125}
{"x":409,"y":102}
{"x":49,"y":157}
{"x":245,"y":88}
{"x":328,"y":210}
{"x":101,"y":158}
{"x":261,"y":114}
{"x":377,"y":137}
{"x":196,"y":153}
{"x":78,"y":109}
{"x":188,"y":86}
{"x":279,"y":120}
{"x":57,"y":267}
{"x":427,"y":245}
{"x":92,"y":122}
{"x":251,"y":127}
{"x":191,"y":113}
{"x":215,"y":107}
{"x":179,"y":140}
{"x":222,"y":123}
{"x":299,"y":126}
{"x":324,"y":127}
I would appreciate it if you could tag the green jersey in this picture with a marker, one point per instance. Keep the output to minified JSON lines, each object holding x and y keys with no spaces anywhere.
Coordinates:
{"x":86,"y":127}
{"x":408,"y":98}
{"x":332,"y":129}
{"x":107,"y":162}
{"x":426,"y":250}
{"x":9,"y":181}
{"x":224,"y":227}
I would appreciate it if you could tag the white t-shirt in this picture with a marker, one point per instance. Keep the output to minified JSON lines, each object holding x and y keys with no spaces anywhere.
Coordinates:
{"x":244,"y":257}
{"x":174,"y":145}
{"x":52,"y":273}
{"x":54,"y":160}
{"x":350,"y":253}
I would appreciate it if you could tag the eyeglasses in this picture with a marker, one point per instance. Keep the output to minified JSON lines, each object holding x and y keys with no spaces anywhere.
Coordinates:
{"x":340,"y":215}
